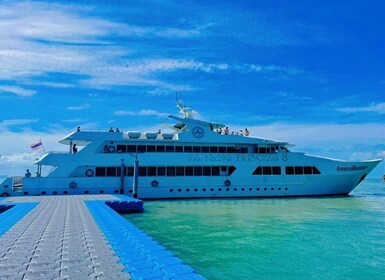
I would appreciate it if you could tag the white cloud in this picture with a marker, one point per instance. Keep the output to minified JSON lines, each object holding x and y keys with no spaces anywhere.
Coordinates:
{"x":80,"y":107}
{"x":140,"y":113}
{"x":378,"y":108}
{"x":88,"y":51}
{"x":7,"y":123}
{"x":314,"y":133}
{"x":16,"y":153}
{"x":17,"y":90}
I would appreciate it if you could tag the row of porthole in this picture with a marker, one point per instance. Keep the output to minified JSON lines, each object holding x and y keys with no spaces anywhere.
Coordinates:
{"x":66,"y":192}
{"x":228,"y":189}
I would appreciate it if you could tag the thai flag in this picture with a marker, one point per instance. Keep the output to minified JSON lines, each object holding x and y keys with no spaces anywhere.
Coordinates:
{"x":36,"y":146}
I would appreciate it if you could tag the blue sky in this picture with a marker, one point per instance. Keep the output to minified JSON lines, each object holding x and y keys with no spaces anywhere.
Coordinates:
{"x":309,"y":72}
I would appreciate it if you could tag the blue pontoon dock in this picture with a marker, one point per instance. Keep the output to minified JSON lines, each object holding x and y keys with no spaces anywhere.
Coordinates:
{"x":80,"y":237}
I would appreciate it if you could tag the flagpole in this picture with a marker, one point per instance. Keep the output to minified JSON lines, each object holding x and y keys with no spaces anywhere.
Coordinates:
{"x":42,"y":145}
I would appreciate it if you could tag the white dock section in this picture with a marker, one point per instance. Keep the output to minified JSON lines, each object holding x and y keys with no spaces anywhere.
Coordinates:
{"x":58,"y":239}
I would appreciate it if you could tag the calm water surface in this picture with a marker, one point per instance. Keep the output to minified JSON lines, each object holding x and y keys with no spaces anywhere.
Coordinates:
{"x":299,"y":238}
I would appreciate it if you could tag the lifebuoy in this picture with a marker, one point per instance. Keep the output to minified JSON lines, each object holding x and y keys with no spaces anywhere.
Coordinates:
{"x":154,"y":183}
{"x":89,"y":173}
{"x":73,"y":185}
{"x":111,"y":149}
{"x":227,"y":183}
{"x":4,"y":194}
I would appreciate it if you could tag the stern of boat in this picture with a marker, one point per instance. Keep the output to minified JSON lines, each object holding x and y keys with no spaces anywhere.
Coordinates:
{"x":11,"y":185}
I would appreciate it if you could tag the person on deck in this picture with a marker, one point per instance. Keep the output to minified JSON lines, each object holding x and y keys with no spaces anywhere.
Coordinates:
{"x":74,"y":149}
{"x":28,"y":174}
{"x":246,"y":133}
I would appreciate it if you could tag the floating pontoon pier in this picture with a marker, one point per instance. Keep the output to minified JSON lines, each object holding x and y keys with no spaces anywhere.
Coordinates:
{"x":80,"y":237}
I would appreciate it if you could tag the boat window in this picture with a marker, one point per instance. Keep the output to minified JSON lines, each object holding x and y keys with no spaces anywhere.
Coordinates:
{"x":215,"y":171}
{"x":272,"y":149}
{"x":142,"y":171}
{"x":222,"y":150}
{"x":205,"y":149}
{"x":266,"y":170}
{"x":255,"y":149}
{"x":197,"y":170}
{"x":276,"y":170}
{"x":244,"y":150}
{"x":151,"y":149}
{"x":196,"y":149}
{"x":213,"y":149}
{"x":268,"y":150}
{"x":180,"y":171}
{"x":179,"y":149}
{"x":151,"y":171}
{"x":307,"y":170}
{"x":223,"y":171}
{"x":258,"y":171}
{"x":121,"y":148}
{"x":100,"y":171}
{"x":289,"y":170}
{"x":170,"y":149}
{"x":111,"y":171}
{"x":188,"y":149}
{"x":161,"y":171}
{"x":262,"y":150}
{"x":315,"y":170}
{"x":231,"y":169}
{"x":189,"y":171}
{"x":130,"y":171}
{"x":230,"y":149}
{"x":131,"y":149}
{"x":206,"y":171}
{"x":160,"y":149}
{"x":298,"y":170}
{"x":285,"y":149}
{"x":141,"y":149}
{"x":171,"y":171}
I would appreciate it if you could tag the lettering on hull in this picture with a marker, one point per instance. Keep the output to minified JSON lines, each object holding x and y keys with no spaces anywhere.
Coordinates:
{"x":351,"y":168}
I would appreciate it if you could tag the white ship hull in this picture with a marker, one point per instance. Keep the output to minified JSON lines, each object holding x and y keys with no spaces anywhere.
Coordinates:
{"x":193,"y":162}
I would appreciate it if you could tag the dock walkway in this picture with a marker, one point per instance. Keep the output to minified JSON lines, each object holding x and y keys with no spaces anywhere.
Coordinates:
{"x":79,"y":237}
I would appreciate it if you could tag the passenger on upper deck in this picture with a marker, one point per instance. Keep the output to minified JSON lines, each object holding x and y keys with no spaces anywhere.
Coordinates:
{"x":117,"y":130}
{"x":219,"y":130}
{"x":74,"y":149}
{"x":246,"y":133}
{"x":28,"y":174}
{"x":111,"y":129}
{"x":227,"y":130}
{"x":78,"y":128}
{"x":159,"y":131}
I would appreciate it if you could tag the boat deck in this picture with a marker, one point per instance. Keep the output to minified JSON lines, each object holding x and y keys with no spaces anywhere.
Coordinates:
{"x":79,"y":237}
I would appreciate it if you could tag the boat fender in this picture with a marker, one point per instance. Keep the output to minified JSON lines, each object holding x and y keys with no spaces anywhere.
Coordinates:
{"x":154,"y":183}
{"x":111,"y":149}
{"x":227,"y":183}
{"x":73,"y":185}
{"x":89,"y":173}
{"x":4,"y":194}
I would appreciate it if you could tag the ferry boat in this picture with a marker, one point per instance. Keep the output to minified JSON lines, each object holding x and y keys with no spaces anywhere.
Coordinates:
{"x":199,"y":159}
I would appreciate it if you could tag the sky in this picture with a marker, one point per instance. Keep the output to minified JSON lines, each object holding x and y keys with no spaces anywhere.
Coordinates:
{"x":308,"y":72}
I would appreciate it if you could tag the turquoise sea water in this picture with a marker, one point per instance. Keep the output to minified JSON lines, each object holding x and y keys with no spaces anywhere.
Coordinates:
{"x":298,"y":238}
